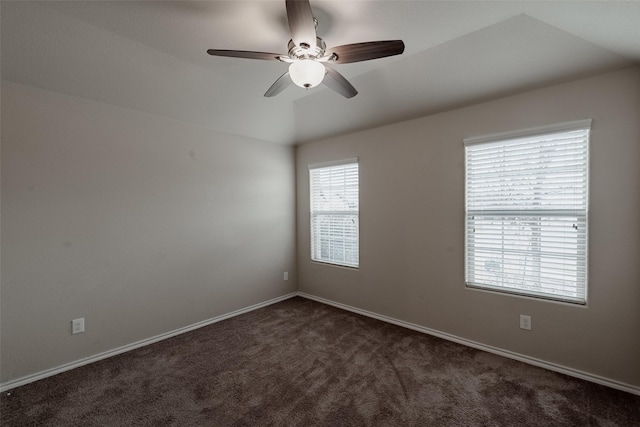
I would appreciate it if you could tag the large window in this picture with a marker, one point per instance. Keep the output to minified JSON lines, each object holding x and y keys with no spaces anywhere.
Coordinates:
{"x":526,"y":212}
{"x":334,"y":213}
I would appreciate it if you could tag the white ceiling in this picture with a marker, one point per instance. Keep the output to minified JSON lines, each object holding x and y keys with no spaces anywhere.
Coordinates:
{"x":151,"y":56}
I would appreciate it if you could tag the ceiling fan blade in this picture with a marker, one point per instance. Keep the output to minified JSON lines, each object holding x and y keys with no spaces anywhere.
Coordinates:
{"x":281,"y":84}
{"x":301,"y":23}
{"x":357,"y":52}
{"x":338,"y":83}
{"x":244,"y":54}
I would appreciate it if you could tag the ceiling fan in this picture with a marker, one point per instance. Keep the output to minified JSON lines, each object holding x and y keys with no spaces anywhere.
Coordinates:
{"x":309,"y":57}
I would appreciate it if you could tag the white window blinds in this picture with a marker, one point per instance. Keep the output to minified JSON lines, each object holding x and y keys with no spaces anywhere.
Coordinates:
{"x":334,"y":213}
{"x":526,"y":212}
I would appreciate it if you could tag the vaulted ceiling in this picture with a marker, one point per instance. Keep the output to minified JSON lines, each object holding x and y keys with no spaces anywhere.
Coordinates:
{"x":151,"y":56}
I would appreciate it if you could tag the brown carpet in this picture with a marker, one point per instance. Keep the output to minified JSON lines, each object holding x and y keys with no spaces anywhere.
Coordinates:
{"x":302,"y":363}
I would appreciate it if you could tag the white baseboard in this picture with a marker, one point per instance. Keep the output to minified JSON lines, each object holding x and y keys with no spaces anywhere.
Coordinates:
{"x":76,"y":364}
{"x":512,"y":355}
{"x":495,"y":350}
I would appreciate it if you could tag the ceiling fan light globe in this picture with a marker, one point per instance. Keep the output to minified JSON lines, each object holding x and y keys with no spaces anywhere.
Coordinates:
{"x":307,"y":73}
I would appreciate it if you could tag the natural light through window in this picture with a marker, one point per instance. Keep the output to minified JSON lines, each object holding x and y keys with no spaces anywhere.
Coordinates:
{"x":526,"y":212}
{"x":334,"y":213}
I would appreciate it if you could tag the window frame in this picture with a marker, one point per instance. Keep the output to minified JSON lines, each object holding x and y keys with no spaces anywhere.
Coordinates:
{"x":316,"y":240}
{"x":522,"y":213}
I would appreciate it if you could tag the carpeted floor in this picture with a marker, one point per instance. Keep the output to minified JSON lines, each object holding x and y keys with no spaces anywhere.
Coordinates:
{"x":302,"y":363}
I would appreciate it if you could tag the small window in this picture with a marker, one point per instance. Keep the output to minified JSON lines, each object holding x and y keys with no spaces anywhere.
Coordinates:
{"x":334,"y":213}
{"x":526,"y":212}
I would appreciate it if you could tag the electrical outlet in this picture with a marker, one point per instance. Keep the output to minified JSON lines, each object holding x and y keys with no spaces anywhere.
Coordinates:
{"x":77,"y":326}
{"x":286,"y":275}
{"x":525,"y":322}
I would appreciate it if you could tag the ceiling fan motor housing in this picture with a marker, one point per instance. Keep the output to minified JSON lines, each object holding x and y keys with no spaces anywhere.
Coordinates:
{"x":303,"y":52}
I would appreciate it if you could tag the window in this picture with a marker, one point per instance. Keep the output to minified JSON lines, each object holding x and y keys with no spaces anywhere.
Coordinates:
{"x":526,"y":212}
{"x":334,"y":213}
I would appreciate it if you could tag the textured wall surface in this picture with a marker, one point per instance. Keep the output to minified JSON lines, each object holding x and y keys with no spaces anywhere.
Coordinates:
{"x":412,"y":228}
{"x":140,"y":224}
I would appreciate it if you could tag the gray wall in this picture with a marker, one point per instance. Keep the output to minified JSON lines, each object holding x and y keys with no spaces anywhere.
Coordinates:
{"x":412,"y":222}
{"x":139,"y":224}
